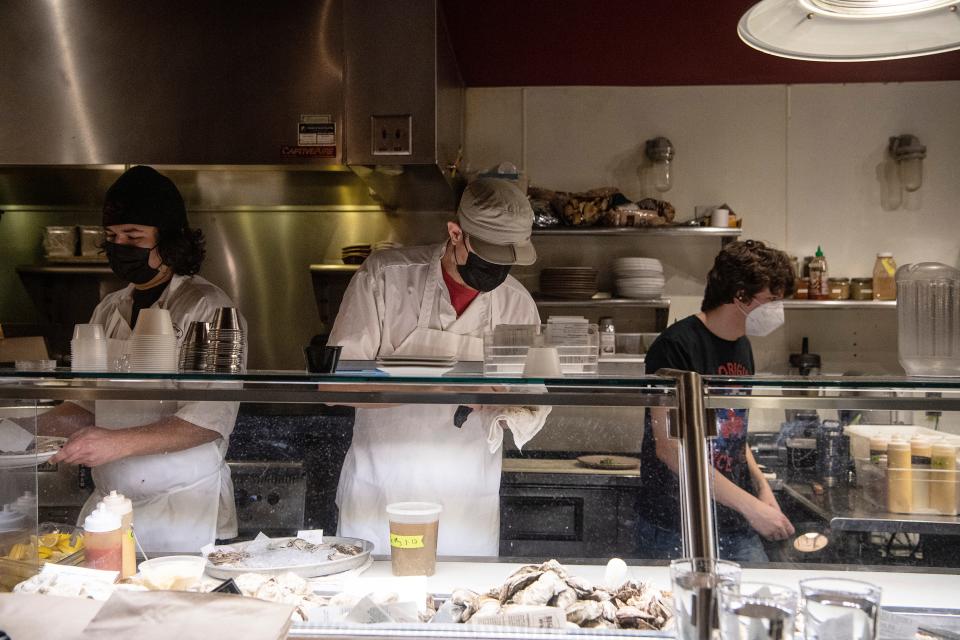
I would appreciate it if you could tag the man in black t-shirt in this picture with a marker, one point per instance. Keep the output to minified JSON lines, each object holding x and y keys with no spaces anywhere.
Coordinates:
{"x":742,"y":297}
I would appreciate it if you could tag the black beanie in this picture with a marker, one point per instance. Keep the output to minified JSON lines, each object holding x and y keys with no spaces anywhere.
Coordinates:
{"x":144,"y":196}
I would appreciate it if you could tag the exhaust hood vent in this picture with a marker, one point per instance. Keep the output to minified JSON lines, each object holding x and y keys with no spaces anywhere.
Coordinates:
{"x":222,"y":84}
{"x":404,"y":103}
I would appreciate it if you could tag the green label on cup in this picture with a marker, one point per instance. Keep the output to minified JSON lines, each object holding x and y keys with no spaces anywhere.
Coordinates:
{"x":406,"y":542}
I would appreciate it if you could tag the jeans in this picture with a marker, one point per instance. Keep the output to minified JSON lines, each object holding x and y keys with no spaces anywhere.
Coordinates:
{"x":663,"y":544}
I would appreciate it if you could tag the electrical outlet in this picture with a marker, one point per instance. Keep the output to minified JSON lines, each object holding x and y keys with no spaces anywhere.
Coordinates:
{"x":391,"y":135}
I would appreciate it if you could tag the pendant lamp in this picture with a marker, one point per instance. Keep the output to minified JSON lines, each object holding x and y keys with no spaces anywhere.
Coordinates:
{"x":852,"y":30}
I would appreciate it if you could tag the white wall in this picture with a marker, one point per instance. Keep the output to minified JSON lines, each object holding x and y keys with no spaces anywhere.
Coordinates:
{"x":796,"y":162}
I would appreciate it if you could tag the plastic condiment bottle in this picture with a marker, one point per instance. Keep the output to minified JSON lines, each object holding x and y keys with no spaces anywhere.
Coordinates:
{"x":899,"y":477}
{"x":884,"y":277}
{"x":819,"y":285}
{"x":943,"y":481}
{"x":123,"y":507}
{"x":920,"y":451}
{"x":608,"y":338}
{"x":878,"y":451}
{"x":102,"y":537}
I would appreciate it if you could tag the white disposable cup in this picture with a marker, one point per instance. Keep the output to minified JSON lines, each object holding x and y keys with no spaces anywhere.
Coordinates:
{"x":87,"y":354}
{"x":88,"y":332}
{"x":542,"y":362}
{"x":154,"y":322}
{"x":720,"y":218}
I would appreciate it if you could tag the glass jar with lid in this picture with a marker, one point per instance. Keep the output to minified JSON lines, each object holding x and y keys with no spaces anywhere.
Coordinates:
{"x":839,"y":288}
{"x":861,"y":289}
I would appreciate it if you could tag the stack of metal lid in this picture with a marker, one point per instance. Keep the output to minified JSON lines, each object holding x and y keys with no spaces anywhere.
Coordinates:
{"x":193,"y":352}
{"x":225,"y":352}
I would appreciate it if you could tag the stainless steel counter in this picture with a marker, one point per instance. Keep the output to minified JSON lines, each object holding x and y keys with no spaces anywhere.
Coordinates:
{"x":846,"y":510}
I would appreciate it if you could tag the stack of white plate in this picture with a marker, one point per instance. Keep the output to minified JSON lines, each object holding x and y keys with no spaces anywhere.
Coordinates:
{"x":153,"y":347}
{"x":569,"y":282}
{"x":640,"y":278}
{"x":355,"y":253}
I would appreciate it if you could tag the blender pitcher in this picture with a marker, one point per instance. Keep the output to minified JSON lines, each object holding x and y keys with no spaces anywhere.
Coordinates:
{"x":928,"y":316}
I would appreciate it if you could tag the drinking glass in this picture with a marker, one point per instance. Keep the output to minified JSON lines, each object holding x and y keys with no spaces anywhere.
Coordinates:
{"x":757,"y":611}
{"x":838,"y":608}
{"x":695,"y":581}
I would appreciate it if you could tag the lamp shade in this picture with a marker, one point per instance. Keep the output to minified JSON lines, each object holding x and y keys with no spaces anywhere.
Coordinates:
{"x":851,"y":30}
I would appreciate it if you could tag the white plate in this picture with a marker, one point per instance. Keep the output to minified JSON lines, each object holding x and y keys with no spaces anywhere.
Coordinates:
{"x":417,"y":361}
{"x":414,"y":372}
{"x":49,"y":446}
{"x":313,"y":570}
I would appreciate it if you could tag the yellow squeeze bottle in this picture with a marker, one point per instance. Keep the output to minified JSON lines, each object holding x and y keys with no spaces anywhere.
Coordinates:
{"x":943,"y":482}
{"x":123,"y":507}
{"x":920,"y":450}
{"x":899,"y":477}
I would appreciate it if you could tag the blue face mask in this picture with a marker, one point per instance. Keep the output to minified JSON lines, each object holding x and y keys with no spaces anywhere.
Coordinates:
{"x":481,"y":275}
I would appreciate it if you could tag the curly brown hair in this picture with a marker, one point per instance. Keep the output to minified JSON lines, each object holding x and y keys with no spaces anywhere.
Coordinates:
{"x":744,"y":269}
{"x":183,"y":251}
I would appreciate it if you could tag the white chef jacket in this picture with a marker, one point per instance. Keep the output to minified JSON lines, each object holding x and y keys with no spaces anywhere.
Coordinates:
{"x":415,"y":453}
{"x":199,"y":476}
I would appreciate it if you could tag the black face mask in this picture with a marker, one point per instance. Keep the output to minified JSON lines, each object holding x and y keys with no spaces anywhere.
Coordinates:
{"x":130,"y":263}
{"x":482,"y":275}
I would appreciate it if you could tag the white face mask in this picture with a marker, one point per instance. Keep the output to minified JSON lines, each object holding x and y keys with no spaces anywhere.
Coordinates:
{"x":765,"y":319}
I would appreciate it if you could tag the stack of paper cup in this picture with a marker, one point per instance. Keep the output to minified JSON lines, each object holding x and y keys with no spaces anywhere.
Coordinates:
{"x":88,"y":349}
{"x":153,"y":347}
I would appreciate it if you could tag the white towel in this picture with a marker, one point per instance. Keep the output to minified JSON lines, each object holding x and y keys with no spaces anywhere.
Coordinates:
{"x":524,"y":422}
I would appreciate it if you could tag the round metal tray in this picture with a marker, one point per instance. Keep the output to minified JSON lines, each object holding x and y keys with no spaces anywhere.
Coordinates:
{"x":314,"y":570}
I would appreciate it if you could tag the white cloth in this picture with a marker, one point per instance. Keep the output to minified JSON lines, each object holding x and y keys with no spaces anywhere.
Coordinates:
{"x":181,"y":500}
{"x":397,"y":303}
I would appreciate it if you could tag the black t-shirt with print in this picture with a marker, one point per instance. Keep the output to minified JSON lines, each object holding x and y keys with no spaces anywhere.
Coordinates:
{"x":688,"y":345}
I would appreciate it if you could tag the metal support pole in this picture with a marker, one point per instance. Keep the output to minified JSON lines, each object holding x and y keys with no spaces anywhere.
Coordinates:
{"x":692,"y":430}
{"x":690,"y":426}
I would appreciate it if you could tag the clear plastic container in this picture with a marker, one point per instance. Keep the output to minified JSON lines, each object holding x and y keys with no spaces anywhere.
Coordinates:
{"x":928,"y":315}
{"x":505,"y":347}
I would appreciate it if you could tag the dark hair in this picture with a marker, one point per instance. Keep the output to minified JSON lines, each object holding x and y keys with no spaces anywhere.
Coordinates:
{"x":744,"y":269}
{"x":182,"y":250}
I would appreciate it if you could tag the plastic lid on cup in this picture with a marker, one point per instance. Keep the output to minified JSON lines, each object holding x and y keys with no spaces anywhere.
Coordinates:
{"x":414,"y":512}
{"x":101,"y":520}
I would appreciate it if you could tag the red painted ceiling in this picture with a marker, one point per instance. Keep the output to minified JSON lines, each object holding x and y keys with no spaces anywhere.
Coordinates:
{"x":640,"y":43}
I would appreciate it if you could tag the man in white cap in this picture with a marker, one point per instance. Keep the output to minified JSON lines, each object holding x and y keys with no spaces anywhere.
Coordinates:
{"x":437,"y":301}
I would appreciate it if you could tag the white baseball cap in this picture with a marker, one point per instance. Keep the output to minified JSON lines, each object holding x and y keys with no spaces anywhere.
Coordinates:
{"x":498,"y":218}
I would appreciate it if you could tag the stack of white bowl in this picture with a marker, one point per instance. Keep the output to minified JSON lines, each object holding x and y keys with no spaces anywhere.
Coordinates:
{"x":153,"y":347}
{"x":88,"y":349}
{"x":640,"y":278}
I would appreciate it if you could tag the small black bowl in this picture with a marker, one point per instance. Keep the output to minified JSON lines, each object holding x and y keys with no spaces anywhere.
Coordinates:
{"x":322,"y":359}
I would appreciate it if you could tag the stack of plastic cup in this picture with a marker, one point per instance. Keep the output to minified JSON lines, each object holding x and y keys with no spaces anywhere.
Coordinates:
{"x":88,"y":349}
{"x":153,"y":348}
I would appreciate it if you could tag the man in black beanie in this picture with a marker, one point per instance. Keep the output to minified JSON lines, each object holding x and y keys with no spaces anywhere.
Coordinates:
{"x":167,"y":457}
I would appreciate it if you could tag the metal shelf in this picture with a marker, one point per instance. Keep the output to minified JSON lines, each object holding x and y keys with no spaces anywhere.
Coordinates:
{"x":839,"y":304}
{"x":82,"y":268}
{"x":679,"y":231}
{"x":334,"y":268}
{"x":661,"y":303}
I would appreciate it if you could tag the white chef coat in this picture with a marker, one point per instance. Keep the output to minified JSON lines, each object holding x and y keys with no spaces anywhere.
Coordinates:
{"x":397,"y":303}
{"x":181,"y":500}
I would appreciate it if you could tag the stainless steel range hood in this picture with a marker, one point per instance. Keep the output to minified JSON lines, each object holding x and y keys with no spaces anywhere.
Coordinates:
{"x":404,"y":102}
{"x":223,"y":83}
